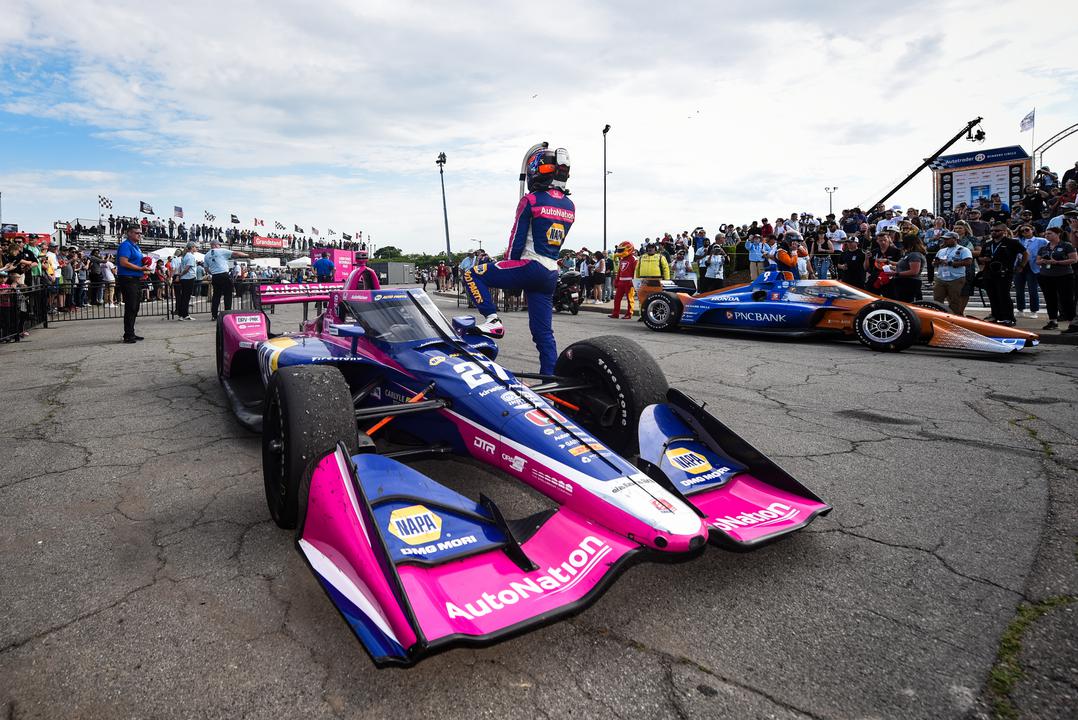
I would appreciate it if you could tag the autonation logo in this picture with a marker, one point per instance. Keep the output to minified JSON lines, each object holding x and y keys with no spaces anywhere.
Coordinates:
{"x":581,"y":561}
{"x":773,"y":514}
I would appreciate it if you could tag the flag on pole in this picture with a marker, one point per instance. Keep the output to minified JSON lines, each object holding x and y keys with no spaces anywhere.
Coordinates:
{"x":145,"y":208}
{"x":1027,"y":121}
{"x":234,"y":218}
{"x":260,"y":222}
{"x":277,"y":224}
{"x":177,"y":211}
{"x":299,"y":229}
{"x":331,"y":232}
{"x":104,"y":202}
{"x":209,"y":216}
{"x":346,"y":236}
{"x":314,"y":230}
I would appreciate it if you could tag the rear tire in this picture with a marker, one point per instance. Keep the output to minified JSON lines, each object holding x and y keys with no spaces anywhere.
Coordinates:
{"x":620,"y":372}
{"x":574,"y":308}
{"x":662,"y":312}
{"x":887,"y":326}
{"x":308,"y":411}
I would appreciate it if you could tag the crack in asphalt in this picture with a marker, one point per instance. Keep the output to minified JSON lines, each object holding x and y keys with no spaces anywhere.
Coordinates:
{"x":671,"y":659}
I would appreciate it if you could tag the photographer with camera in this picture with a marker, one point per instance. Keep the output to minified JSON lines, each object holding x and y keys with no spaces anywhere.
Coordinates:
{"x":951,"y":262}
{"x":1045,"y":179}
{"x":998,"y":258}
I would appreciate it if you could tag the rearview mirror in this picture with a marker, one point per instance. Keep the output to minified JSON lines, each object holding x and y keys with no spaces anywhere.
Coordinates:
{"x":347,"y":330}
{"x":464,"y":324}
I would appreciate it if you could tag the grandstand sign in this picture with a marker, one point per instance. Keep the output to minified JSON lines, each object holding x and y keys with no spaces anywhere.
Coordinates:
{"x":968,"y":177}
{"x":267,"y":242}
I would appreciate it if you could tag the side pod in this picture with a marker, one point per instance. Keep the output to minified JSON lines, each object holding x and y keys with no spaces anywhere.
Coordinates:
{"x":416,"y":568}
{"x":745,"y":498}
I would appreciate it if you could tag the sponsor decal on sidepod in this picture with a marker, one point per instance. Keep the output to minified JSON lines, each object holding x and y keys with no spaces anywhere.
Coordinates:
{"x":580,"y":562}
{"x":774,"y":513}
{"x":755,"y":316}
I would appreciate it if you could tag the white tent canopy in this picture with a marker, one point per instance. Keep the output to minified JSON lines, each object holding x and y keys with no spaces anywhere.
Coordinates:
{"x":164,"y":253}
{"x":167,"y":253}
{"x":303,"y":262}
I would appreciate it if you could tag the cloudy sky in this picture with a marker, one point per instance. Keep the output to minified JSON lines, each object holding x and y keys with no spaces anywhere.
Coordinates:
{"x":333,"y":113}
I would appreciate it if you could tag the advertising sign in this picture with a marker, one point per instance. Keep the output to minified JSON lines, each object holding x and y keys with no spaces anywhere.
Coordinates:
{"x":969,"y":177}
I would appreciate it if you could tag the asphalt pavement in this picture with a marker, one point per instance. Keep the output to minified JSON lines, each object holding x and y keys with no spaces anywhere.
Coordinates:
{"x":142,"y":577}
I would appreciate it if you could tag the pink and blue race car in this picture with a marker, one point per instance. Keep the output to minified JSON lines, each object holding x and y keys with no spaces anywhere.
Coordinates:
{"x":635,"y":470}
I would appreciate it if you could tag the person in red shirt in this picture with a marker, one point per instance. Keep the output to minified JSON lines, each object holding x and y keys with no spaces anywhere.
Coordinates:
{"x":623,"y":285}
{"x":766,"y":230}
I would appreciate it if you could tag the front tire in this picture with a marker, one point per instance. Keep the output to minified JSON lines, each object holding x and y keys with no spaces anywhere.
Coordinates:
{"x":933,"y":305}
{"x":887,"y":326}
{"x":662,"y":312}
{"x":308,"y":411}
{"x":623,"y":376}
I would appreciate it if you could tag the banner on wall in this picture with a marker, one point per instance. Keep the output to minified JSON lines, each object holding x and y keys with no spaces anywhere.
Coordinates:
{"x":968,"y":177}
{"x":267,"y":242}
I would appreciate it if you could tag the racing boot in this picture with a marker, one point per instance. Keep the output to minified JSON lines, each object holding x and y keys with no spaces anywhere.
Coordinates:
{"x":493,"y":327}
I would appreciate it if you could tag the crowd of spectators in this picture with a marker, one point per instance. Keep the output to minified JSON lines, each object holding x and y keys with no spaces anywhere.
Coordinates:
{"x":158,"y":229}
{"x":987,"y":247}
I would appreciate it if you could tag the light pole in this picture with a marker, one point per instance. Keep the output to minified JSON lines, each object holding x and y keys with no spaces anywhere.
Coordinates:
{"x":606,"y":129}
{"x":830,"y":192}
{"x":477,"y":241}
{"x":440,"y":162}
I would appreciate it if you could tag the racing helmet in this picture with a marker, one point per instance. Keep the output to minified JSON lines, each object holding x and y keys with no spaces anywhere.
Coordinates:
{"x":547,"y":169}
{"x":624,"y":249}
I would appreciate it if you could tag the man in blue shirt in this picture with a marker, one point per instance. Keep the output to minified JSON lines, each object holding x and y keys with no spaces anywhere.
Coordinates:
{"x":216,"y":262}
{"x":323,"y":268}
{"x":185,"y":276}
{"x":130,"y":273}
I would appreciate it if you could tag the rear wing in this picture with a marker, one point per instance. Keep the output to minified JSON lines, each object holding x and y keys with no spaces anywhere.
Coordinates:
{"x":296,"y":293}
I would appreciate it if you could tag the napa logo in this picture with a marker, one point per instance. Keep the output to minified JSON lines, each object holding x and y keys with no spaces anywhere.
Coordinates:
{"x":415,"y":525}
{"x":689,"y":461}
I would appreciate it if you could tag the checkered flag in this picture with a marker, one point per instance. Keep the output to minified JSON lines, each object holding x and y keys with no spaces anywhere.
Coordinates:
{"x":277,"y":224}
{"x":331,"y":232}
{"x":104,"y":202}
{"x":209,"y":217}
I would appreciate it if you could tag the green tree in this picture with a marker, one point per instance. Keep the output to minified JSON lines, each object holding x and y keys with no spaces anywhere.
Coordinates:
{"x":387,"y":251}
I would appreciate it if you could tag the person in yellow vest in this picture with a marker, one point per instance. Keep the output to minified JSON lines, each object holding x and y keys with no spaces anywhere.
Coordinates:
{"x":651,"y":269}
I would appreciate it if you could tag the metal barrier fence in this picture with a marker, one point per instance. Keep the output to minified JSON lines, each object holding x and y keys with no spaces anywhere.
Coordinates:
{"x":102,"y":301}
{"x":22,"y":308}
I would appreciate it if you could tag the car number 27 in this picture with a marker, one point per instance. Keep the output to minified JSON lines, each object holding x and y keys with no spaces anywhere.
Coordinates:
{"x":475,"y":375}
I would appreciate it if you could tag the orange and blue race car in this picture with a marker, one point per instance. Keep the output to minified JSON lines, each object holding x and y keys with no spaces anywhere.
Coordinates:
{"x":774,"y":303}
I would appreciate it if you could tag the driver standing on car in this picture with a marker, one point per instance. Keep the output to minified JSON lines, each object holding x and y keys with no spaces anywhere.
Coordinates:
{"x":543,"y":219}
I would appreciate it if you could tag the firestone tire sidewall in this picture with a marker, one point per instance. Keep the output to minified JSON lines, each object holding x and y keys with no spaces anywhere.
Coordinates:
{"x":886,"y":326}
{"x":627,"y":373}
{"x":309,"y":410}
{"x":661,"y":321}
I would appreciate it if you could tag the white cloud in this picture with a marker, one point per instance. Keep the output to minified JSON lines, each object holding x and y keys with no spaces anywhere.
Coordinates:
{"x":333,"y":113}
